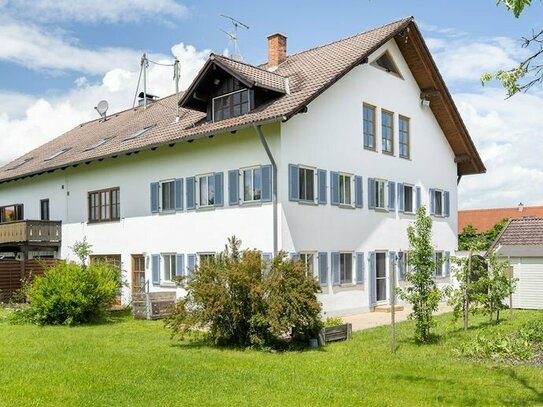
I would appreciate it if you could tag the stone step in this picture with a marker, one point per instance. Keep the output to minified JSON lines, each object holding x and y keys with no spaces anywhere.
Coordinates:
{"x":387,"y":308}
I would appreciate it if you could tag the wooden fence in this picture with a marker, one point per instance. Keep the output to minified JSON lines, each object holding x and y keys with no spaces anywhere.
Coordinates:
{"x":13,"y":271}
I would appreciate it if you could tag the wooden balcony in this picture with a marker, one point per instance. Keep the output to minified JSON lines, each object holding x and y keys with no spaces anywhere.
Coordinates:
{"x":35,"y":232}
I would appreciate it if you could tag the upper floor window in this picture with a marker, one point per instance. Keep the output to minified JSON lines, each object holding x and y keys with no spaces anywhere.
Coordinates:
{"x":252,"y":184}
{"x":387,"y":131}
{"x":44,"y":209}
{"x":404,"y":136}
{"x":306,"y":184}
{"x":231,"y":105}
{"x":369,"y":126}
{"x":206,"y":186}
{"x":11,"y":213}
{"x":345,"y":189}
{"x":380,"y":194}
{"x":168,"y":195}
{"x":104,"y":205}
{"x":438,"y":202}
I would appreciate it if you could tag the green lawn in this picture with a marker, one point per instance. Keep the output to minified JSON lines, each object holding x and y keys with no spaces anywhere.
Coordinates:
{"x":134,"y":363}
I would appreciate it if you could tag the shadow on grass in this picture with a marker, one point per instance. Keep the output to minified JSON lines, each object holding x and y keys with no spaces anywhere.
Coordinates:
{"x":537,"y":394}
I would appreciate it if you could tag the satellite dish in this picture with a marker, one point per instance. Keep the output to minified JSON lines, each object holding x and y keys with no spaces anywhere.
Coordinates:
{"x":102,"y":107}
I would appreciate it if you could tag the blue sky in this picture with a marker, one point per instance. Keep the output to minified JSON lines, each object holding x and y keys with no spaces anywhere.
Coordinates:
{"x":59,"y":57}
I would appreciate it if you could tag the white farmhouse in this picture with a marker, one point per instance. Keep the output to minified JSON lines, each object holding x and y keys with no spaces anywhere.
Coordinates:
{"x":325,"y":154}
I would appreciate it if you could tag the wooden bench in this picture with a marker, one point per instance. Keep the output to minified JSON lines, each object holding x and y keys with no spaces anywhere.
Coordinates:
{"x":335,"y":333}
{"x":153,"y":305}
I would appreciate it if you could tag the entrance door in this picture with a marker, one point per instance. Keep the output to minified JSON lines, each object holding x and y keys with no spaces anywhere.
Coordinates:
{"x":381,"y":276}
{"x":138,"y":274}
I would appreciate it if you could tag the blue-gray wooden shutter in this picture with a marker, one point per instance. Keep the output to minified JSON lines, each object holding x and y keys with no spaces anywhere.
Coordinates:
{"x":371,"y":193}
{"x":219,"y":188}
{"x":179,"y":264}
{"x":401,"y":203}
{"x":418,"y":198}
{"x":372,"y":286}
{"x":358,"y":193}
{"x":434,"y":258}
{"x":401,"y":262}
{"x":323,"y":268}
{"x":360,"y":268}
{"x":334,"y":188}
{"x":321,"y":180}
{"x":266,"y":183}
{"x":191,"y":192}
{"x":266,"y":258}
{"x":293,"y":183}
{"x":295,"y":256}
{"x":447,"y":203}
{"x":178,"y":185}
{"x":191,"y":264}
{"x":154,"y":197}
{"x":447,"y":264}
{"x":432,"y":202}
{"x":233,"y":187}
{"x":392,"y":266}
{"x":391,"y":195}
{"x":155,"y":268}
{"x":335,"y":268}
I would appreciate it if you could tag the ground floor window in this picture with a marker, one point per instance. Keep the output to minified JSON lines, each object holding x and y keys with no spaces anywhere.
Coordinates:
{"x":169,"y":266}
{"x":205,"y":257}
{"x":346,"y":268}
{"x":439,"y":264}
{"x":309,"y":260}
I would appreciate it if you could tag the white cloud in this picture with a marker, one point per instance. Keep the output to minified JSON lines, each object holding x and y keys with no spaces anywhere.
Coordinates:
{"x":30,"y":122}
{"x":94,"y":11}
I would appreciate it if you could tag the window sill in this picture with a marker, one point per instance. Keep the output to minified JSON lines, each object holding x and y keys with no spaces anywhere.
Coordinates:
{"x":251,"y":203}
{"x":167,"y":284}
{"x":408,"y":213}
{"x":382,"y":210}
{"x":389,"y":154}
{"x":97,"y":222}
{"x":405,"y":158}
{"x":205,"y":208}
{"x":346,"y":206}
{"x":310,"y":203}
{"x":167,"y":212}
{"x":374,"y":150}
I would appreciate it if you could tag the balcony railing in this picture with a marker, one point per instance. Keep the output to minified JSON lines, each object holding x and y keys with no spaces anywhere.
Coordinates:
{"x":31,"y":231}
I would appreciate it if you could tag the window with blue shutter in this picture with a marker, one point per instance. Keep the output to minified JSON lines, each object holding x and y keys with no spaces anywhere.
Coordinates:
{"x":179,"y":264}
{"x":432,"y":201}
{"x":266,"y":183}
{"x":179,"y":194}
{"x":447,"y":204}
{"x":323,"y":268}
{"x":358,"y":193}
{"x":401,"y":202}
{"x":371,"y":193}
{"x":154,"y":197}
{"x":190,"y":184}
{"x":372,"y":287}
{"x":391,"y":195}
{"x":401,"y":265}
{"x":294,"y":256}
{"x":334,"y":188}
{"x":418,"y":198}
{"x":233,"y":187}
{"x":191,"y":264}
{"x":321,"y":181}
{"x":360,"y":268}
{"x":393,"y":267}
{"x":335,"y":258}
{"x":293,"y":186}
{"x":219,"y":189}
{"x":155,"y":268}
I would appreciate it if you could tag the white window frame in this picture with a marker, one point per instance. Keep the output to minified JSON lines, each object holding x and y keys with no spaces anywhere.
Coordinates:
{"x":351,"y":281}
{"x":413,"y":192}
{"x":168,"y":275}
{"x":440,"y":192}
{"x":160,"y":195}
{"x":315,"y":184}
{"x":439,"y":266}
{"x":205,"y":254}
{"x":351,"y":188}
{"x":228,"y":94}
{"x":198,"y":190}
{"x":242,"y":184}
{"x":384,"y":183}
{"x":304,"y":257}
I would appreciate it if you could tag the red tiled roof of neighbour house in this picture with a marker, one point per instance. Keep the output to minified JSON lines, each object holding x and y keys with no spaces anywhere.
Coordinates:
{"x":309,"y":73}
{"x":484,"y":219}
{"x":521,"y":232}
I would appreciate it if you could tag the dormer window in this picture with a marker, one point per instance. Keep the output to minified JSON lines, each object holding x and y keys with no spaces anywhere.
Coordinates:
{"x":231,"y":105}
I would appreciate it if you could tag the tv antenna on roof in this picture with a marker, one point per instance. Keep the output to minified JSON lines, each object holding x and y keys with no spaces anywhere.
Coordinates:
{"x":233,"y":36}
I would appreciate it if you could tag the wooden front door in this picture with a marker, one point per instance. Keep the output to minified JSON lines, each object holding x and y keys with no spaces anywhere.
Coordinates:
{"x":138,"y":273}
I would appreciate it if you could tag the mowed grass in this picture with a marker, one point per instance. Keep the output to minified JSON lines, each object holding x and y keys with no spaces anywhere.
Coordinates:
{"x":134,"y":363}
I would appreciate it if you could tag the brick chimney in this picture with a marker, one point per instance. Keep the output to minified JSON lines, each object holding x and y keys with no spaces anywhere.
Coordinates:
{"x":277,"y":49}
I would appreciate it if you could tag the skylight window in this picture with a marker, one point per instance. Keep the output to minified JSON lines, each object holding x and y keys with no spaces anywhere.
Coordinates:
{"x":99,"y":143}
{"x":20,"y":163}
{"x":139,"y":133}
{"x":386,"y":63}
{"x":58,"y":153}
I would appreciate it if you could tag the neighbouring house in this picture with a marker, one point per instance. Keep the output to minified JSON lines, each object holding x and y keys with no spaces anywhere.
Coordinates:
{"x":485,"y":219}
{"x":521,"y":242}
{"x":325,"y":154}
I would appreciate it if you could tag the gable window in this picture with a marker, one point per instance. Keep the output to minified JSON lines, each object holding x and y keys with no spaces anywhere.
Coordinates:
{"x":44,"y":209}
{"x":345,"y":186}
{"x":369,"y":126}
{"x":439,"y":264}
{"x":306,"y":184}
{"x":408,"y":198}
{"x":387,"y":132}
{"x":11,"y":213}
{"x":309,"y":261}
{"x":104,"y":205}
{"x":206,"y":186}
{"x":346,"y":268}
{"x":386,"y":63}
{"x":231,"y":105}
{"x":252,"y":184}
{"x":169,"y":261}
{"x":167,"y":195}
{"x":380,"y":194}
{"x":404,"y":136}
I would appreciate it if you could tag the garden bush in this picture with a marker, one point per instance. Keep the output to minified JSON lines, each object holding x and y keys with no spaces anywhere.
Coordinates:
{"x":69,"y":294}
{"x":238,"y":299}
{"x":498,"y":347}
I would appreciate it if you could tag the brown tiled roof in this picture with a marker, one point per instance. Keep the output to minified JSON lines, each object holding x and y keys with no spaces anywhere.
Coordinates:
{"x":309,"y":74}
{"x":484,"y":219}
{"x":522,"y":232}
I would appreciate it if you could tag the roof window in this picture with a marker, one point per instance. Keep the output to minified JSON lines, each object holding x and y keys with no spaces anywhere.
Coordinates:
{"x":20,"y":163}
{"x":58,"y":153}
{"x":99,"y":143}
{"x":139,"y":133}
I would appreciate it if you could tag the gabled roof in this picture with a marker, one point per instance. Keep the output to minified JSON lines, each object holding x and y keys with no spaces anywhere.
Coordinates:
{"x":309,"y":74}
{"x":521,"y":232}
{"x":484,"y":219}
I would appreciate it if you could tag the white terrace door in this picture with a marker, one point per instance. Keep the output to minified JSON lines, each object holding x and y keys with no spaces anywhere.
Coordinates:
{"x":381,"y":277}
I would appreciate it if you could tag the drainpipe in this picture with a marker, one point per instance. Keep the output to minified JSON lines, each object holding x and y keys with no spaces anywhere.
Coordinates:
{"x":260,"y":134}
